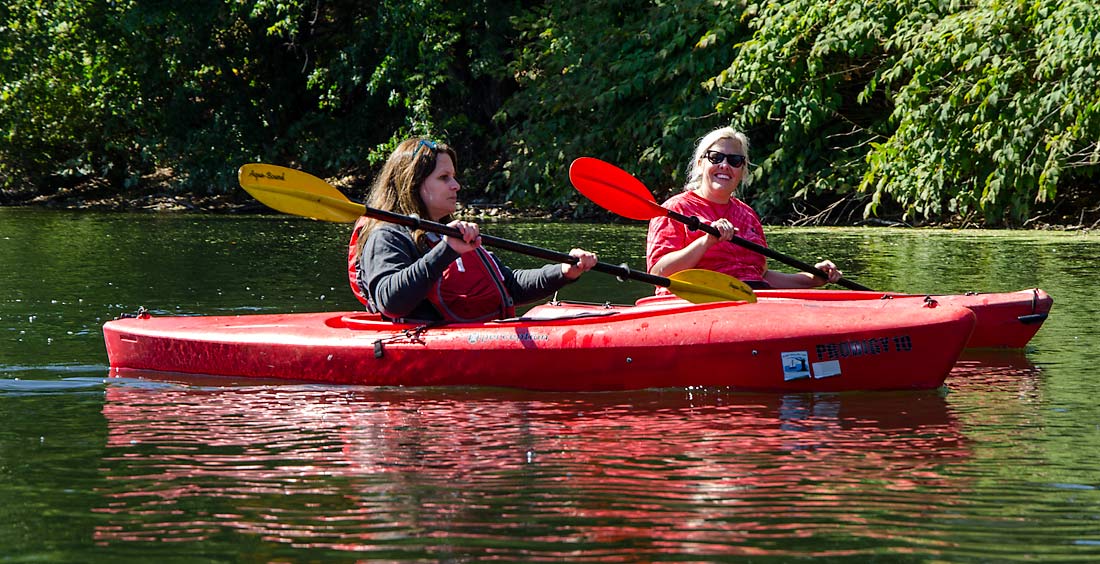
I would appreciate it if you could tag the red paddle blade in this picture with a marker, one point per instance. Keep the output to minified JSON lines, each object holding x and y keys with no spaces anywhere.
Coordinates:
{"x":613,"y":189}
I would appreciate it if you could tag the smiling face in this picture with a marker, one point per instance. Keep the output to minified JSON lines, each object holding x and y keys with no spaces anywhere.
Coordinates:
{"x":719,"y":181}
{"x":439,"y":191}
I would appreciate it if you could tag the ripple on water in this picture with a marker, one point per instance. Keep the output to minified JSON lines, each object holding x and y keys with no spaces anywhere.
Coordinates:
{"x":25,"y":386}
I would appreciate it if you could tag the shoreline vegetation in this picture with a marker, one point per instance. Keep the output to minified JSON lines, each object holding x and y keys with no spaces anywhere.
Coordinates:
{"x":954,"y":114}
{"x":162,"y":200}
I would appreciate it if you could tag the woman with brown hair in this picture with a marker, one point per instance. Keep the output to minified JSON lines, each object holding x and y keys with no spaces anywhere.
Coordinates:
{"x":410,"y":274}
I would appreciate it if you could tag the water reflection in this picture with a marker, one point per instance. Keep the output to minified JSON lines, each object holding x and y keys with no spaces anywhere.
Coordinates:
{"x":1001,"y":469}
{"x":428,"y":473}
{"x":986,"y":371}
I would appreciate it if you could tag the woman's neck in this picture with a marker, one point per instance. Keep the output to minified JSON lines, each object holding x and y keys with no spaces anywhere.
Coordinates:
{"x":715,"y":196}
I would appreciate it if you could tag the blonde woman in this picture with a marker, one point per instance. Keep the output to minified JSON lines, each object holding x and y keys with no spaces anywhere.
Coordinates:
{"x":718,"y":166}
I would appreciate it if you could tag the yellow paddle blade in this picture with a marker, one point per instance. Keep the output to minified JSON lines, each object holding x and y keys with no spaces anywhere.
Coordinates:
{"x":297,"y":193}
{"x":700,"y":286}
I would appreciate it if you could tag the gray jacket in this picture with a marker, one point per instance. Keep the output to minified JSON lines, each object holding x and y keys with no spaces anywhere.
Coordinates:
{"x":396,"y":277}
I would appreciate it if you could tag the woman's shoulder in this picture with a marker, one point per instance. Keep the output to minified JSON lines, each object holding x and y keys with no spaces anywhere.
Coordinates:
{"x":391,"y":234}
{"x":689,"y":202}
{"x":740,"y":204}
{"x":390,"y":230}
{"x":678,"y":197}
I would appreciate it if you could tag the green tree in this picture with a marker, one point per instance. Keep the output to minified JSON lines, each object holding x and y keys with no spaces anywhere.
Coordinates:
{"x":997,"y":104}
{"x":940,"y":109}
{"x":795,"y":90}
{"x":927,"y":110}
{"x":56,"y":111}
{"x":618,"y":80}
{"x":117,"y":89}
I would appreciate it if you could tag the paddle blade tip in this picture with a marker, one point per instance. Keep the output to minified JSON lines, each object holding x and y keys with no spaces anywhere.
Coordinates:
{"x":613,"y":189}
{"x":704,"y":286}
{"x":297,"y":193}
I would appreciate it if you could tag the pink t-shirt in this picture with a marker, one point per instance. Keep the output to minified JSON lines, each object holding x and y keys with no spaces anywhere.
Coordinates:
{"x":667,"y":235}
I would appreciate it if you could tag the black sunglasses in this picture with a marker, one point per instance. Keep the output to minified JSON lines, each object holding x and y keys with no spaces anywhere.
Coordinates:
{"x":715,"y":157}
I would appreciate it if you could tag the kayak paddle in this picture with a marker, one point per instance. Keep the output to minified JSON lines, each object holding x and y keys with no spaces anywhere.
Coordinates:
{"x":617,"y":191}
{"x":300,"y":193}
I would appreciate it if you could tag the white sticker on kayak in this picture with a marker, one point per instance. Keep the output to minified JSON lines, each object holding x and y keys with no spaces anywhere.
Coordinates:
{"x":795,"y":365}
{"x":826,"y":368}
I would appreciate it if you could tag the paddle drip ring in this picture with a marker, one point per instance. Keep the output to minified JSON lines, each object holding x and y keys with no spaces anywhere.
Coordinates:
{"x":626,"y":273}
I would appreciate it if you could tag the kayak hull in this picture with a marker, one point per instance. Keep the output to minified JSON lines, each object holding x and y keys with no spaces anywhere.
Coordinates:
{"x":795,"y":346}
{"x":1003,"y":320}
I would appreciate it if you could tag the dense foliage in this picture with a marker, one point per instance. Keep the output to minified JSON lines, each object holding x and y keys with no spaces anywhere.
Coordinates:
{"x":922,"y":110}
{"x":118,"y":90}
{"x":617,"y":80}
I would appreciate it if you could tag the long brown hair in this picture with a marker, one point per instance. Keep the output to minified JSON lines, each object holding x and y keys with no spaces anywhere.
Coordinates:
{"x":397,"y":187}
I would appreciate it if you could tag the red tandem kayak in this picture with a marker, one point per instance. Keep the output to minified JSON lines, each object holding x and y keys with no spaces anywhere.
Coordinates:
{"x":792,"y":346}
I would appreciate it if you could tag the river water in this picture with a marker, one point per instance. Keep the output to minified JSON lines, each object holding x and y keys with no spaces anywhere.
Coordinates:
{"x":998,"y":466}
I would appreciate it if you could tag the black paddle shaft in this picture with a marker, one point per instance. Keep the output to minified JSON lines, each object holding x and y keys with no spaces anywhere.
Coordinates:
{"x":622,"y":271}
{"x":695,"y":224}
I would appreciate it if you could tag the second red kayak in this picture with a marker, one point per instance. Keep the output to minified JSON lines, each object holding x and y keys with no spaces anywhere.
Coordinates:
{"x":1003,"y":320}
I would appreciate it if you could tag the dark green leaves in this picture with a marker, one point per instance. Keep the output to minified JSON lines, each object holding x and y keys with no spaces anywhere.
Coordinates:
{"x":931,"y":111}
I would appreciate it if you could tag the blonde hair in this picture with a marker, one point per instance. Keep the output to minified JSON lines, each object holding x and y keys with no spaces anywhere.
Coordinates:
{"x":397,"y":187}
{"x":695,"y":167}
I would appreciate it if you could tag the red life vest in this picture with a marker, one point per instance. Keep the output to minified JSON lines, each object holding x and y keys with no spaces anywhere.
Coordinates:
{"x":353,"y":261}
{"x":471,"y":289}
